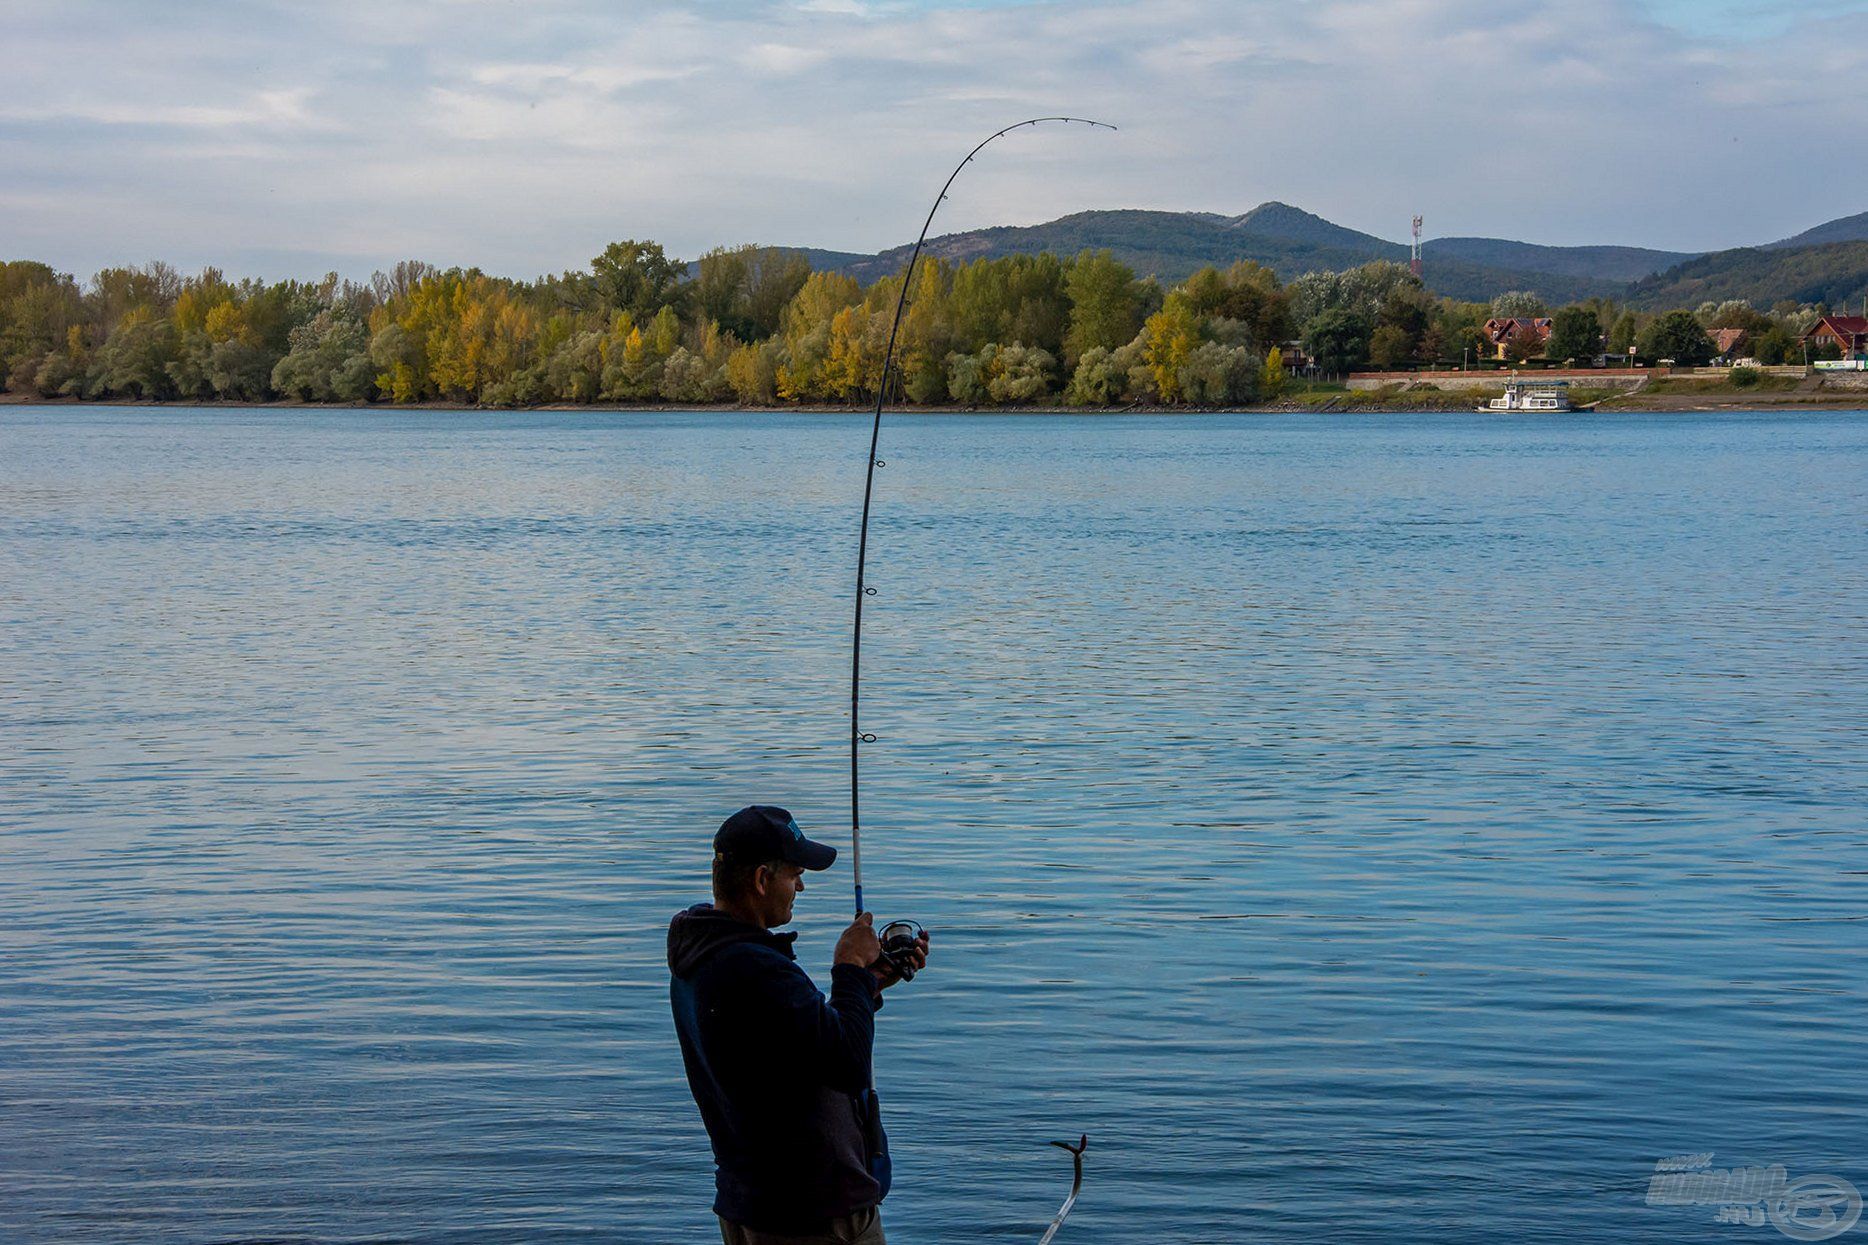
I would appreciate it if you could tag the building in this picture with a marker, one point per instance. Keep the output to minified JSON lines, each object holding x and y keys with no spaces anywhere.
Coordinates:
{"x":1728,"y":344}
{"x":1847,"y":333}
{"x":1502,"y":333}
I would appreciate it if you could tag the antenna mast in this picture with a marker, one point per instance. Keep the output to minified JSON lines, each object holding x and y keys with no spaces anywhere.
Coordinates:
{"x":1414,"y":260}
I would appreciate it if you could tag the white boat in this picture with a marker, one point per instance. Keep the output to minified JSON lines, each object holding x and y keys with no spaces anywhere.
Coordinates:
{"x":1523,"y":396}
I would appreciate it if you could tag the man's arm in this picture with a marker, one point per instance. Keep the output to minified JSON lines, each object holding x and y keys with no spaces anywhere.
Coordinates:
{"x":834,"y":1038}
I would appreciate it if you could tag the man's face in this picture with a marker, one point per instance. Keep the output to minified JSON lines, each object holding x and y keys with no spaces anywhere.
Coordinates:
{"x":781,"y":885}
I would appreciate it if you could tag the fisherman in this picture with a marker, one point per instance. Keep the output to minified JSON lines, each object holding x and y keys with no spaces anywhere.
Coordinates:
{"x":782,"y":1076}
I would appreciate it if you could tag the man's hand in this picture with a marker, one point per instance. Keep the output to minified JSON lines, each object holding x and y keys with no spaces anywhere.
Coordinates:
{"x":859,"y":944}
{"x":886,"y":975}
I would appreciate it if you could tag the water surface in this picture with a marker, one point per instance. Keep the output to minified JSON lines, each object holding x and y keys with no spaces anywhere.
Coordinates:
{"x":1367,"y":828}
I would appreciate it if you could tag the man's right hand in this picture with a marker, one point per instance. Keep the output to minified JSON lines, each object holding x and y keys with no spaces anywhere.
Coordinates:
{"x":859,"y":944}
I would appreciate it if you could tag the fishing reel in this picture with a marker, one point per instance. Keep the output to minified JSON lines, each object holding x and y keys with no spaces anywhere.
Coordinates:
{"x":899,"y":940}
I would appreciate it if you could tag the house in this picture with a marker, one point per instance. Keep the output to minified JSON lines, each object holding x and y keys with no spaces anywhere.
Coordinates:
{"x":1502,"y":333}
{"x":1728,"y":344}
{"x":1296,"y":362}
{"x":1847,"y":333}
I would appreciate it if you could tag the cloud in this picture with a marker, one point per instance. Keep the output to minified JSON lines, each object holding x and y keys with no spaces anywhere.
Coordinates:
{"x":260,"y":109}
{"x":523,"y":137}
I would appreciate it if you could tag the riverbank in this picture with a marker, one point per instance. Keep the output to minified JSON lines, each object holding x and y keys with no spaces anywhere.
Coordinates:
{"x":1662,"y":397}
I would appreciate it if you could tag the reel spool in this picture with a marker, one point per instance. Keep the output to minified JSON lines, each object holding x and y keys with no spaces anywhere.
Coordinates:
{"x":898,"y":945}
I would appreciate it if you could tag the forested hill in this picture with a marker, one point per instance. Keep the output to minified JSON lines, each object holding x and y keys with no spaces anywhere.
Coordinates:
{"x":1836,"y":274}
{"x":1602,"y":263}
{"x":1847,"y":229}
{"x":1173,"y":245}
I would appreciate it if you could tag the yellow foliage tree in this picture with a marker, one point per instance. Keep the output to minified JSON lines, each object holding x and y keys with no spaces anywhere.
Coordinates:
{"x":1169,"y":336}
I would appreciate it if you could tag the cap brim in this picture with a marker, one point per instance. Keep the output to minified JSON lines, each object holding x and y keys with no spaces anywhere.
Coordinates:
{"x":811,"y":854}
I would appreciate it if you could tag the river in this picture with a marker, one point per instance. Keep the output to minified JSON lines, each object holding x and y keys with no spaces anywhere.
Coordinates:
{"x":1399,"y":828}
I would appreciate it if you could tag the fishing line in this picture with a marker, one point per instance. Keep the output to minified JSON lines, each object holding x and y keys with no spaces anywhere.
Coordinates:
{"x":857,"y":737}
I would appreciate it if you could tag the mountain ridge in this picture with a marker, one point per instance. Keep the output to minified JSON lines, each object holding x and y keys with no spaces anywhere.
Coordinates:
{"x":1171,"y":246}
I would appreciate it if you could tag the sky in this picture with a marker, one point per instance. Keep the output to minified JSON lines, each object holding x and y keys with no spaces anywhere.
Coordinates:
{"x":284,"y":139}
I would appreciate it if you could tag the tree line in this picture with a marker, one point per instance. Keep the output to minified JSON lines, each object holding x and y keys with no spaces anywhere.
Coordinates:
{"x":755,"y":325}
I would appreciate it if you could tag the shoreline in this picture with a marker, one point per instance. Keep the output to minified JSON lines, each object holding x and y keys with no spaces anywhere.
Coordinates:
{"x":1353,"y":403}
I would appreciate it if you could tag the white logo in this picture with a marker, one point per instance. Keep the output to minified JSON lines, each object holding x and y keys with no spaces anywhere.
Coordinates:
{"x":1811,"y":1208}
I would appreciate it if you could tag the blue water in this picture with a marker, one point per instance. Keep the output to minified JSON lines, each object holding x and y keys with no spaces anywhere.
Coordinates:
{"x":1367,"y":828}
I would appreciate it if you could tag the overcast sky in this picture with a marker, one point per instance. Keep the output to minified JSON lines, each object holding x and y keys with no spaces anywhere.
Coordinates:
{"x":284,"y":139}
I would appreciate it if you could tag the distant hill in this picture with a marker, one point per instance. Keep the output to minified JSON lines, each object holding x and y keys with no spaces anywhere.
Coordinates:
{"x":1607,"y":263}
{"x":1826,"y":264}
{"x":1847,"y":229}
{"x":1298,"y":227}
{"x":1173,"y":245}
{"x":1836,"y":274}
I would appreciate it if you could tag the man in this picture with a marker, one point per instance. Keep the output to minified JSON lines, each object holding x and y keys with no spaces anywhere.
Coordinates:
{"x":781,"y":1076}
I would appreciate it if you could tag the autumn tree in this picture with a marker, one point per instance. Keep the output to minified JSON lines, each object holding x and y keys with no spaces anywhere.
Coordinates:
{"x":1272,"y":379}
{"x":1168,"y":338}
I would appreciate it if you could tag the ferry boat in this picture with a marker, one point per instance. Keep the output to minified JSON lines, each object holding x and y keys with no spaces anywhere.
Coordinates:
{"x":1523,"y":396}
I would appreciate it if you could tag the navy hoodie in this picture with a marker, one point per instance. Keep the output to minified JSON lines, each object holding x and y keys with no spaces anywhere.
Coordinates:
{"x":781,"y":1075}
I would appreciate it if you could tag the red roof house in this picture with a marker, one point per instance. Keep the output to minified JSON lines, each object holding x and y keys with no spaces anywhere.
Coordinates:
{"x":1726,"y":342}
{"x":1503,"y":332}
{"x":1848,"y":332}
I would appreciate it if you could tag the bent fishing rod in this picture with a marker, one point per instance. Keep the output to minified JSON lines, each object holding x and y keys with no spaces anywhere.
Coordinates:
{"x":898,"y":938}
{"x":857,"y":736}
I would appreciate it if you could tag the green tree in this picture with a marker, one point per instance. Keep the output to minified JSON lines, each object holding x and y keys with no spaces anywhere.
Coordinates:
{"x":744,"y":289}
{"x":1338,"y":341}
{"x":1733,"y":313}
{"x":134,"y":361}
{"x":1774,"y":347}
{"x":1390,"y":347}
{"x":1575,"y":333}
{"x":1517,"y":304}
{"x":752,"y":370}
{"x":1017,"y":298}
{"x":637,"y":277}
{"x":328,"y":361}
{"x":61,"y":373}
{"x":1624,"y":333}
{"x":1677,"y":336}
{"x":967,"y":376}
{"x":1019,"y":373}
{"x":1214,"y":375}
{"x":926,"y":335}
{"x":37,"y":308}
{"x":1100,"y":378}
{"x":1105,"y":305}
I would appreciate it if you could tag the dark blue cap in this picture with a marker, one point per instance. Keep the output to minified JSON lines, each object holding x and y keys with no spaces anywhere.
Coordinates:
{"x":762,"y":832}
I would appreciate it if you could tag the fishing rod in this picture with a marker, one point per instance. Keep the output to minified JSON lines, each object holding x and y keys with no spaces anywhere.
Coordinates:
{"x":895,"y":931}
{"x":899,"y":938}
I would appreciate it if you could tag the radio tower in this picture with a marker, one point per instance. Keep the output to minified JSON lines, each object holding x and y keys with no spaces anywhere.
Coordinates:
{"x":1414,"y":262}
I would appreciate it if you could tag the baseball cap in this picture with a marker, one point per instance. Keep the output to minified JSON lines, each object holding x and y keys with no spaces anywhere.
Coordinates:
{"x":764,"y":832}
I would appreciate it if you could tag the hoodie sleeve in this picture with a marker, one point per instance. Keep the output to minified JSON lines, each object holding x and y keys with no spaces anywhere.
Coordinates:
{"x":833,"y":1038}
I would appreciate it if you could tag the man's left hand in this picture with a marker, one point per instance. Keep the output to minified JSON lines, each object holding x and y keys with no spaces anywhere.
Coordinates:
{"x":886,"y":974}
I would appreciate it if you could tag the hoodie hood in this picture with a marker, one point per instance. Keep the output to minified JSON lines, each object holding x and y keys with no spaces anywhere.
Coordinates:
{"x":698,"y":932}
